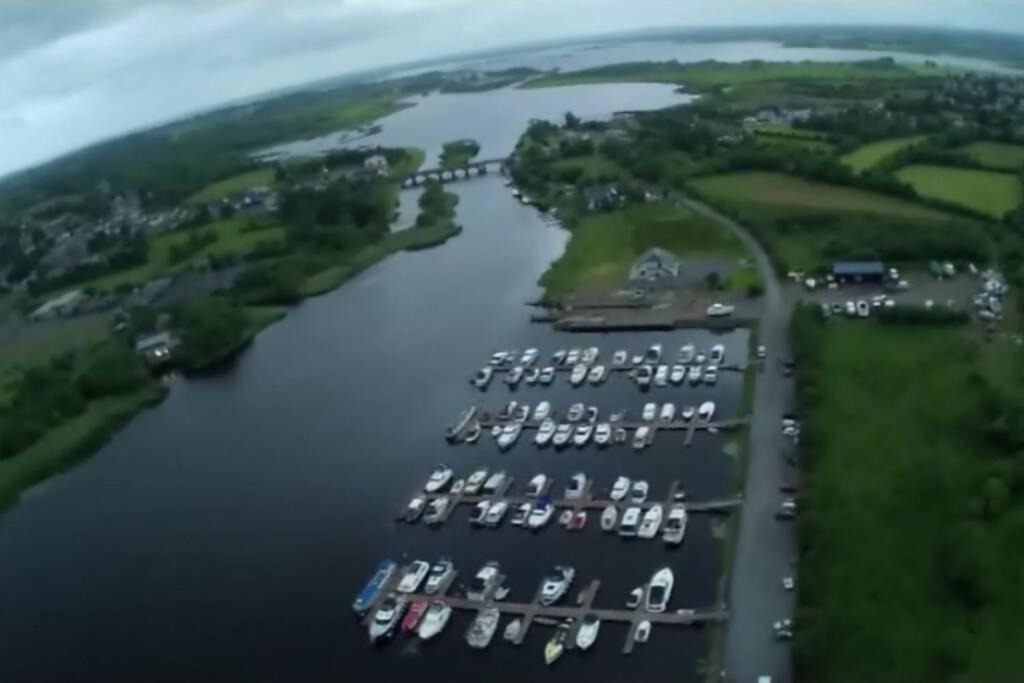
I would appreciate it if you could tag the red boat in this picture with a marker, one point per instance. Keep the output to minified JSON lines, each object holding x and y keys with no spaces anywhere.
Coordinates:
{"x":412,"y":618}
{"x":578,"y":521}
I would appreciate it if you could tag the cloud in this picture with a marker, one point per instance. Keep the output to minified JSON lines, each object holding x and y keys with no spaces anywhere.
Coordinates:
{"x":79,"y":71}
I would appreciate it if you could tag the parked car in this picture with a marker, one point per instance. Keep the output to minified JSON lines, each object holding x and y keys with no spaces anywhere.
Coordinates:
{"x":717,"y":310}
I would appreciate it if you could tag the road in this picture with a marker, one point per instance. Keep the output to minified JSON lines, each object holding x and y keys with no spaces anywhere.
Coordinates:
{"x":764,"y":550}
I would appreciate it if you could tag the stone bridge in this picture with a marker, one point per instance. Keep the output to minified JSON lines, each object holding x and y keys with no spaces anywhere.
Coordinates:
{"x":473,"y":169}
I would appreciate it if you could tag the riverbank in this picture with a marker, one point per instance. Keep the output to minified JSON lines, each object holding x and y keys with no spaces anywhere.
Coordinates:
{"x":72,"y":441}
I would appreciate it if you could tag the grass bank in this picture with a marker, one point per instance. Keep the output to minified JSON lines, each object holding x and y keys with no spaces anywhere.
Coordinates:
{"x":71,"y":442}
{"x":996,"y":155}
{"x":870,"y":155}
{"x":232,"y":185}
{"x":907,"y":570}
{"x":992,"y":194}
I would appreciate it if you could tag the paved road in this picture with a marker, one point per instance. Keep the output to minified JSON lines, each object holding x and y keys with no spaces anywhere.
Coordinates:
{"x":765,"y":546}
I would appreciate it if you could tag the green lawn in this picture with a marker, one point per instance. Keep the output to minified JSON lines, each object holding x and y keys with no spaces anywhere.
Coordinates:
{"x":603,"y":246}
{"x":232,"y":185}
{"x":232,"y":238}
{"x":777,"y":189}
{"x":70,"y":442}
{"x":32,"y":344}
{"x":872,"y":154}
{"x":895,"y":464}
{"x":594,"y":168}
{"x":996,"y":155}
{"x":361,"y":112}
{"x":992,"y":194}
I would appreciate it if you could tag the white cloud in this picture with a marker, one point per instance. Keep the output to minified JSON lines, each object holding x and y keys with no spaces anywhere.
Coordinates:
{"x":106,"y":67}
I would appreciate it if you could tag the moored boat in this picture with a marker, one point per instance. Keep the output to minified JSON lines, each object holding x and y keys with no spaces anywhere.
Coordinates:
{"x":413,"y":576}
{"x":578,"y":521}
{"x":415,"y":508}
{"x":369,"y":593}
{"x":496,"y":513}
{"x":630,"y":521}
{"x":675,"y":526}
{"x":484,"y":580}
{"x":495,"y":481}
{"x":717,"y":354}
{"x":521,"y":514}
{"x":387,"y":616}
{"x":651,"y":522}
{"x":686,"y":353}
{"x":577,"y":486}
{"x":619,"y":358}
{"x":643,"y":632}
{"x":641,"y":437}
{"x":475,"y":481}
{"x":555,"y":584}
{"x":537,"y":484}
{"x":513,"y":377}
{"x":659,"y":592}
{"x":483,"y":377}
{"x":436,"y":510}
{"x":603,"y":434}
{"x":620,"y":488}
{"x":435,"y":619}
{"x":563,"y":434}
{"x":590,"y":625}
{"x":638,"y":492}
{"x":547,"y":376}
{"x":677,"y":375}
{"x":554,"y":648}
{"x":439,"y":573}
{"x":545,"y":432}
{"x":509,"y":435}
{"x":609,"y":517}
{"x":464,"y":419}
{"x":481,"y":631}
{"x":579,"y":374}
{"x":417,"y":608}
{"x":582,"y":434}
{"x":438,"y":479}
{"x":512,"y":630}
{"x":473,"y":433}
{"x":706,"y":411}
{"x":694,"y":375}
{"x":540,"y":515}
{"x":542,"y":411}
{"x":576,"y":411}
{"x":597,"y":374}
{"x":668,"y":412}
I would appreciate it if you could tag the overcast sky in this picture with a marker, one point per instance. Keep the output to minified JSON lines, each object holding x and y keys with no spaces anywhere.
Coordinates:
{"x":77,"y":71}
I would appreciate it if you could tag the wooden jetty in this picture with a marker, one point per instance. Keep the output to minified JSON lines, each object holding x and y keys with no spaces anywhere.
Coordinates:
{"x":627,"y":368}
{"x":586,"y":501}
{"x":533,"y":612}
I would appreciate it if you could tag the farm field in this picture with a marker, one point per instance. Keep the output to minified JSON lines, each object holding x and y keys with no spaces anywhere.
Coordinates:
{"x":869,"y":156}
{"x":992,"y":194}
{"x":996,"y":155}
{"x":232,"y":185}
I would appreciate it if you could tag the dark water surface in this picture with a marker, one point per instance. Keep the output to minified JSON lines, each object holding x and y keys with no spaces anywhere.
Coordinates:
{"x":223,"y":535}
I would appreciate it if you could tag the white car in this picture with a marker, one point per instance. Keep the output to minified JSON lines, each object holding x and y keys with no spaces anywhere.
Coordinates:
{"x":863,"y":309}
{"x":851,"y":309}
{"x":720,"y":310}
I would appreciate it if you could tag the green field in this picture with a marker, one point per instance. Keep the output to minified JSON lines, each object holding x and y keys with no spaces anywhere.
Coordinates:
{"x":807,"y":144}
{"x":783,"y":130}
{"x":232,"y":238}
{"x":909,"y":570}
{"x":875,"y":153}
{"x":25,"y":345}
{"x":777,"y":189}
{"x":594,"y":168}
{"x":708,"y":74}
{"x":603,"y":246}
{"x":996,"y":155}
{"x":361,"y":112}
{"x":233,"y":185}
{"x":992,"y":194}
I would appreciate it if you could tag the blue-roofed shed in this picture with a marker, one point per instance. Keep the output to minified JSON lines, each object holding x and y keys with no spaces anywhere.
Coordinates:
{"x":858,"y":271}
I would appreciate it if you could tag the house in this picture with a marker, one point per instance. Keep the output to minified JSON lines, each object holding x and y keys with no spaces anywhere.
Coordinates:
{"x":377,"y":163}
{"x":655,"y":265}
{"x":64,"y":305}
{"x":600,"y":197}
{"x":156,"y":349}
{"x":858,"y":271}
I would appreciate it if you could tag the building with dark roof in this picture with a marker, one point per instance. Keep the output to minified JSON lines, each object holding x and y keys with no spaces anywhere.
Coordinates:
{"x":858,"y":271}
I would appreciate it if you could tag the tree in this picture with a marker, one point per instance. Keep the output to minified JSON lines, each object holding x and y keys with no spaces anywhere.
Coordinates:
{"x":113,"y":369}
{"x":572,"y":122}
{"x":210,"y":329}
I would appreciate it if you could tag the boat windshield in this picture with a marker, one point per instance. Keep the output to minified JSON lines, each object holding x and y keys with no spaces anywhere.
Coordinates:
{"x":657,"y":594}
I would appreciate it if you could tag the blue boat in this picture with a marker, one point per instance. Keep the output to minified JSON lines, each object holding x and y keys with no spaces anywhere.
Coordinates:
{"x":384,"y":571}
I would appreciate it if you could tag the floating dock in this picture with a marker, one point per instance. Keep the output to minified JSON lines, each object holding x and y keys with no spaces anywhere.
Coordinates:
{"x":534,"y":613}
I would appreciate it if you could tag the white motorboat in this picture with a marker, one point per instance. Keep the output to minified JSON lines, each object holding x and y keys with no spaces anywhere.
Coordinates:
{"x":575,"y":413}
{"x":675,"y":526}
{"x":638,"y":359}
{"x":644,"y":375}
{"x":620,"y":488}
{"x":495,"y":482}
{"x":545,"y":432}
{"x":706,"y":410}
{"x":522,"y":413}
{"x":436,"y":510}
{"x":481,"y":631}
{"x":590,"y":355}
{"x":435,"y":619}
{"x":650,"y":412}
{"x":475,"y":481}
{"x":643,"y":632}
{"x":542,"y":411}
{"x":639,"y":490}
{"x":630,"y":521}
{"x":460,"y":425}
{"x":609,"y":517}
{"x":661,"y":375}
{"x":573,"y":357}
{"x":514,"y":375}
{"x":532,"y":376}
{"x":582,"y":434}
{"x":508,"y":410}
{"x":699,"y":359}
{"x":686,"y":353}
{"x":587,"y":633}
{"x":483,"y":377}
{"x":668,"y":412}
{"x":659,"y":592}
{"x":577,"y":486}
{"x":717,"y":354}
{"x":640,"y":437}
{"x":677,"y":375}
{"x":472,"y":434}
{"x":495,"y":513}
{"x":651,"y":522}
{"x":486,"y":578}
{"x":385,"y":620}
{"x":529,"y":357}
{"x":597,"y":374}
{"x":438,"y":479}
{"x":579,"y":374}
{"x":457,"y":486}
{"x":537,"y":485}
{"x":521,"y":514}
{"x":509,"y":435}
{"x":547,"y":376}
{"x":711,"y":375}
{"x":439,"y":573}
{"x":591,"y":414}
{"x":636,"y":596}
{"x":688,"y":413}
{"x":499,"y":358}
{"x":540,"y":515}
{"x":558,"y":357}
{"x":565,"y":517}
{"x":555,"y":584}
{"x":512,"y":630}
{"x":496,"y":431}
{"x":653,"y":354}
{"x":562,"y":435}
{"x":479,"y":513}
{"x":694,"y":374}
{"x":619,"y":358}
{"x":415,"y":508}
{"x":603,"y":434}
